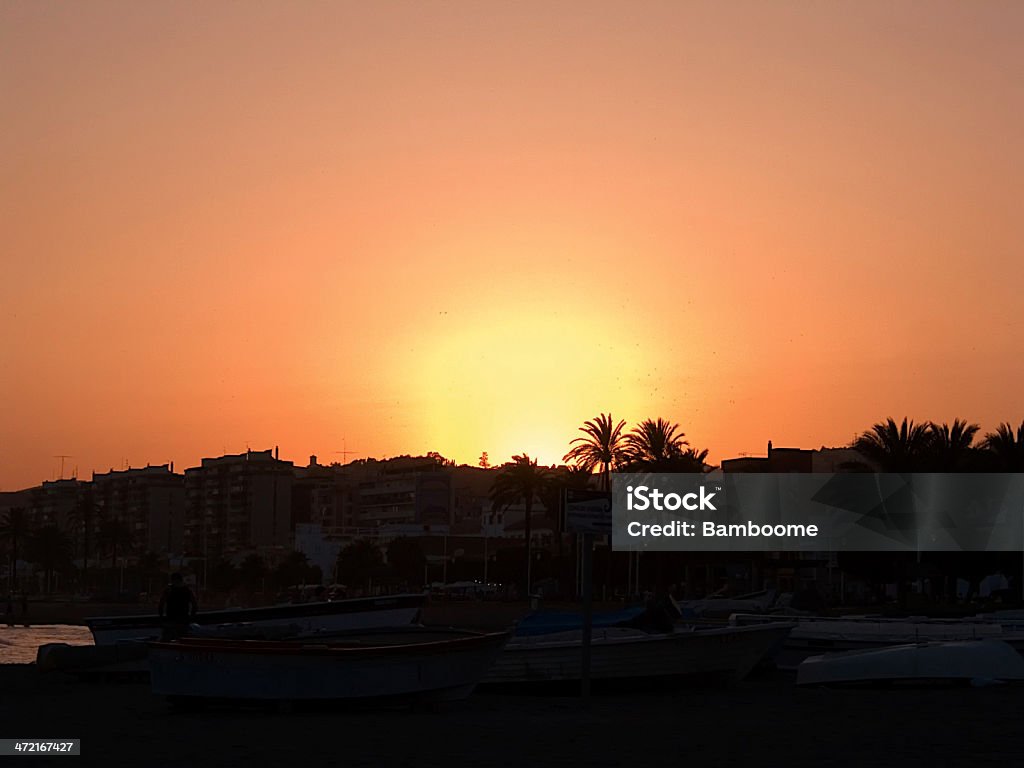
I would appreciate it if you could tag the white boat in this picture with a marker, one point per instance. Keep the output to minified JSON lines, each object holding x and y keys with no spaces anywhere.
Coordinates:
{"x":421,"y":664}
{"x":625,"y":654}
{"x":816,"y":635}
{"x":721,"y":606}
{"x":966,"y":660}
{"x":339,"y":615}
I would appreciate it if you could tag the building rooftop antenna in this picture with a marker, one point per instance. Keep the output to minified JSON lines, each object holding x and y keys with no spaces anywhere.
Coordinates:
{"x":62,"y":456}
{"x":344,"y":452}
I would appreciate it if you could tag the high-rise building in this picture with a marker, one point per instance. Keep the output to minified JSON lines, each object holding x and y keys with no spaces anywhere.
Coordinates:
{"x":238,"y":504}
{"x":55,"y":502}
{"x":151,"y":502}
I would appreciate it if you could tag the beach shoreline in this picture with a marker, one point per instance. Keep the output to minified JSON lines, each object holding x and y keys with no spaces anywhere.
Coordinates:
{"x":473,"y":614}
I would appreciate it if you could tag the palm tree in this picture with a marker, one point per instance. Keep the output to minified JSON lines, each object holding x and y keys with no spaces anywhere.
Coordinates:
{"x":15,"y":526}
{"x":521,"y":479}
{"x":895,"y":447}
{"x":51,"y":548}
{"x":602,"y":446}
{"x":114,"y":532}
{"x":656,"y":445}
{"x":900,"y":448}
{"x":951,"y":448}
{"x":693,"y":461}
{"x":86,"y":516}
{"x":359,"y":563}
{"x":1006,"y":448}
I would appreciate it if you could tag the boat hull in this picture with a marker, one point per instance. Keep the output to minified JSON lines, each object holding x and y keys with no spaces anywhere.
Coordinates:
{"x":815,"y":636}
{"x":630,"y":655}
{"x":957,"y":661}
{"x":437,"y":669}
{"x":341,"y":615}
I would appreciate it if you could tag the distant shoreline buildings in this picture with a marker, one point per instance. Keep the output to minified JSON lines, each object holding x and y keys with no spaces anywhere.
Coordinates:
{"x":236,"y":505}
{"x":254,"y":514}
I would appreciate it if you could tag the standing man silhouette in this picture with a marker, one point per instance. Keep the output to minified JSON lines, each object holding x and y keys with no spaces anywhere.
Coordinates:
{"x":177,"y":608}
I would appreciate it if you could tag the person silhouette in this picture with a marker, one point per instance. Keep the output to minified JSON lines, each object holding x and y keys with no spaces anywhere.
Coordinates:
{"x":177,"y":608}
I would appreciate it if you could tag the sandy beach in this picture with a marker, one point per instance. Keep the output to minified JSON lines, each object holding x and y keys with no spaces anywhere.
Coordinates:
{"x":766,"y":721}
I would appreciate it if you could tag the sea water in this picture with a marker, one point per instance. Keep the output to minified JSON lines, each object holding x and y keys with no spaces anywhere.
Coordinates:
{"x":18,"y":644}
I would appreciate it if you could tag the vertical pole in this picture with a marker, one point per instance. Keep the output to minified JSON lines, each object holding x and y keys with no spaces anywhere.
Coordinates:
{"x":485,"y":562}
{"x":588,"y":612}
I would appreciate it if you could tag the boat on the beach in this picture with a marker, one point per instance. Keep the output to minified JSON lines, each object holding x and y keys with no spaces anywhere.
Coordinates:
{"x":978,"y":661}
{"x":404,"y":663}
{"x":629,"y":655}
{"x":126,"y":658}
{"x":816,"y":635}
{"x":721,"y":606}
{"x":549,"y":622}
{"x":339,"y":615}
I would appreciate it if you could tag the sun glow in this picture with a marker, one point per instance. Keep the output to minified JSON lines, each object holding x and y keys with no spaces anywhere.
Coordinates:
{"x":509,"y":384}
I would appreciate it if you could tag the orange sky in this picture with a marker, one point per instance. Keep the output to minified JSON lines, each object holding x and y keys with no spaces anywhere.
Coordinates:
{"x":466,"y":226}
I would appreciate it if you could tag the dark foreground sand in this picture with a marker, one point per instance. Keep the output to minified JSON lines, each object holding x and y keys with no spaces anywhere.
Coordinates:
{"x":765,"y":721}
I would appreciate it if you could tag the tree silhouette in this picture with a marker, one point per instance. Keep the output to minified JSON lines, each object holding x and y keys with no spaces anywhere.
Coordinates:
{"x":293,"y":570}
{"x":602,"y":446}
{"x":656,"y":445}
{"x":893,"y":447}
{"x":1006,"y":447}
{"x":359,"y":561}
{"x":50,"y":547}
{"x":406,"y":559}
{"x":114,"y":533}
{"x":252,"y":572}
{"x":950,"y":446}
{"x":85,"y":519}
{"x":15,"y":526}
{"x":520,"y":480}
